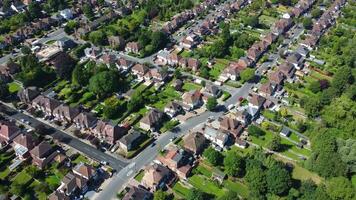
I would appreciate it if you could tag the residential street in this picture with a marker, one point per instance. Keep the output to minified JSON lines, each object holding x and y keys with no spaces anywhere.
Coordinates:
{"x":69,"y":140}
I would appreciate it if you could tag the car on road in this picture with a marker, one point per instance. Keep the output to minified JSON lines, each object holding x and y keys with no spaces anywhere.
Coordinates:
{"x":103,"y":162}
{"x":153,"y":144}
{"x":231,"y":106}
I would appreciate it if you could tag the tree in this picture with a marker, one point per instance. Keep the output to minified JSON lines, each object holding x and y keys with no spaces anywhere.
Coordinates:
{"x":252,"y":21}
{"x":160,"y":195}
{"x":88,"y":12}
{"x":104,"y":83}
{"x":4,"y":90}
{"x":177,"y":74}
{"x":275,"y":144}
{"x":6,"y":5}
{"x":80,"y":75}
{"x":136,"y":101}
{"x":229,"y":195}
{"x":247,"y":74}
{"x":256,"y":181}
{"x":234,"y":164}
{"x":315,"y":86}
{"x":26,"y":50}
{"x":342,"y":78}
{"x":64,"y":66}
{"x":34,"y":8}
{"x":316,"y":13}
{"x":255,"y":131}
{"x":97,"y":37}
{"x":214,"y":157}
{"x":309,"y":190}
{"x":340,"y":188}
{"x":311,"y":105}
{"x":204,"y":72}
{"x":211,"y":103}
{"x":278,"y":180}
{"x":195,"y":194}
{"x":307,"y":23}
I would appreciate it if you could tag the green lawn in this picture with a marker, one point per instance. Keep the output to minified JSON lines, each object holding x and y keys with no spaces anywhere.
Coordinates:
{"x":204,"y":171}
{"x":188,"y":86}
{"x":180,"y":190}
{"x":79,"y":159}
{"x":139,"y":176}
{"x":303,"y":174}
{"x":22,"y":178}
{"x":218,"y":67}
{"x":353,"y":180}
{"x":206,"y":185}
{"x":5,"y":173}
{"x":226,"y":96}
{"x":237,"y":187}
{"x":14,"y":87}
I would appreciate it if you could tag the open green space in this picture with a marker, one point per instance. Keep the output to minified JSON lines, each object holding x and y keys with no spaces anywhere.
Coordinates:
{"x":189,"y":86}
{"x":14,"y":87}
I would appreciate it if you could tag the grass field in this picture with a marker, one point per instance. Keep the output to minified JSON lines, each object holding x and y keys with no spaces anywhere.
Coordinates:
{"x":237,"y":187}
{"x":139,"y":176}
{"x":180,"y":190}
{"x":14,"y":87}
{"x":206,"y":185}
{"x":188,"y":86}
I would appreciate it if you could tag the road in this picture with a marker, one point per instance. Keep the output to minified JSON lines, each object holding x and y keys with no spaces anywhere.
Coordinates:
{"x":73,"y":142}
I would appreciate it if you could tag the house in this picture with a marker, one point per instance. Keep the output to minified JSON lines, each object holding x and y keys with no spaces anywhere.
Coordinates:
{"x":65,"y":113}
{"x":8,"y":131}
{"x":108,"y":132}
{"x":133,"y":47}
{"x":26,"y":95}
{"x":215,"y":136}
{"x":92,"y":52}
{"x":256,"y":101}
{"x":66,"y":14}
{"x":267,"y":89}
{"x":137,"y":193}
{"x":243,"y":116}
{"x":130,"y":141}
{"x":241,"y":143}
{"x":194,"y":143}
{"x":172,"y":109}
{"x":139,"y":70}
{"x":42,"y":154}
{"x":276,"y":77}
{"x":85,"y":121}
{"x":192,"y":99}
{"x":57,"y":195}
{"x":10,"y":68}
{"x":124,"y":64}
{"x":173,"y":59}
{"x":156,"y":177}
{"x":303,"y":51}
{"x":285,"y":132}
{"x":281,"y":26}
{"x":108,"y":59}
{"x":178,"y":161}
{"x":211,"y":90}
{"x":152,"y":120}
{"x":85,"y":171}
{"x":193,"y":64}
{"x":116,"y":42}
{"x":156,"y":74}
{"x":287,"y":69}
{"x":177,"y":84}
{"x":65,"y":43}
{"x":22,"y":144}
{"x":296,"y":59}
{"x":230,"y":72}
{"x":231,"y":125}
{"x":270,"y":38}
{"x":72,"y":182}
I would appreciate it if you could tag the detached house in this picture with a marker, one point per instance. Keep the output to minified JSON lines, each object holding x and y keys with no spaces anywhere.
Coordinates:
{"x":71,"y":183}
{"x":276,"y":77}
{"x":215,"y":136}
{"x":86,"y":171}
{"x":194,"y":143}
{"x":193,"y":64}
{"x":124,"y":64}
{"x":256,"y":101}
{"x":156,"y":74}
{"x":133,"y":47}
{"x":178,"y":161}
{"x":287,"y":69}
{"x":156,"y":177}
{"x":42,"y":154}
{"x":130,"y":141}
{"x":137,"y":193}
{"x":172,"y":109}
{"x":296,"y":60}
{"x":192,"y":99}
{"x":267,"y":89}
{"x":231,"y":125}
{"x":211,"y":91}
{"x":152,"y":120}
{"x":140,"y":70}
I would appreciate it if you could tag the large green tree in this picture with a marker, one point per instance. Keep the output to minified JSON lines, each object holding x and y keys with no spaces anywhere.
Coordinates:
{"x":256,"y":181}
{"x":104,"y":83}
{"x":340,"y":188}
{"x":211,"y":103}
{"x":247,"y":74}
{"x":278,"y":180}
{"x":234,"y":164}
{"x":214,"y":157}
